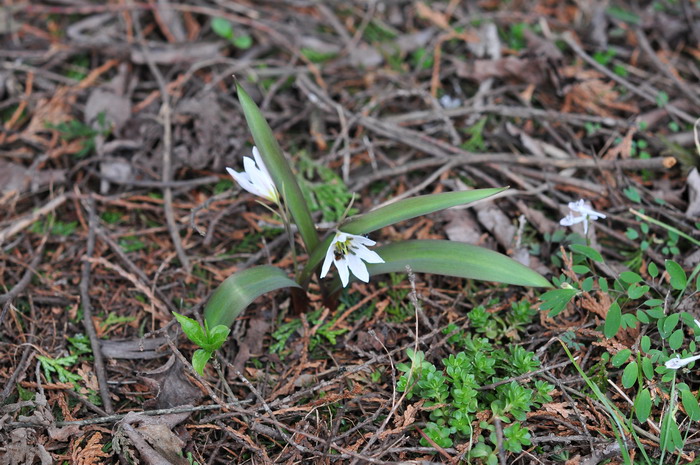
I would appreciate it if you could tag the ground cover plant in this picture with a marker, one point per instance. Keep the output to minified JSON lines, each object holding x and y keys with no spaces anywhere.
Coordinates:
{"x":318,"y":259}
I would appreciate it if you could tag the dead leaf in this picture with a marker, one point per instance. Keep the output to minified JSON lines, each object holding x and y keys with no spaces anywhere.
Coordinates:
{"x":461,"y":226}
{"x":529,"y":70}
{"x":171,"y":54}
{"x":164,"y":441}
{"x":91,"y":453}
{"x":175,"y":389}
{"x":17,"y":178}
{"x":563,"y":409}
{"x":693,"y":181}
{"x":51,"y":111}
{"x":252,"y":343}
{"x":105,"y":105}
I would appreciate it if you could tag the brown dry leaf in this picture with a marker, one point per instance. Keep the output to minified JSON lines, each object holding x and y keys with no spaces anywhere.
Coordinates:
{"x":164,"y":441}
{"x":171,"y":54}
{"x":91,"y":453}
{"x":623,"y":149}
{"x":51,"y":111}
{"x":23,"y":449}
{"x":175,"y":388}
{"x":461,"y":226}
{"x":693,"y":181}
{"x":17,"y":178}
{"x":591,"y":93}
{"x":562,"y":409}
{"x":252,"y":343}
{"x":528,"y":70}
{"x":409,"y":416}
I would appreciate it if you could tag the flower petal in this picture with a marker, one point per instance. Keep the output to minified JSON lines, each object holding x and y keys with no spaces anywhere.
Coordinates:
{"x":327,"y":262}
{"x":370,"y":256}
{"x":358,"y":267}
{"x":343,"y":272}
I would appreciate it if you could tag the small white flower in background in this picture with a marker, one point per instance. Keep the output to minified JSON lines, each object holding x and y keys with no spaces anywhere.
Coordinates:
{"x":348,"y":251}
{"x":677,"y":362}
{"x":584,"y":214}
{"x":449,"y":102}
{"x":256,"y":179}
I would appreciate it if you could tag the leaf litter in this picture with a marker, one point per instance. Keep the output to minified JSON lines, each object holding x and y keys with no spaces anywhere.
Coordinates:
{"x":83,"y":118}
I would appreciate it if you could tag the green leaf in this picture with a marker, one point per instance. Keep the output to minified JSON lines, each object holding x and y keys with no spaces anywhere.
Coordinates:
{"x":675,"y":340}
{"x":589,"y":252}
{"x":690,"y":404}
{"x":244,"y":42}
{"x":218,"y":335}
{"x":635,"y":291}
{"x":279,"y":169}
{"x":647,"y":368}
{"x":612,"y":320}
{"x":222,"y":28}
{"x":240,"y":289}
{"x":653,"y":269}
{"x":678,"y":278}
{"x":192,"y":329}
{"x":620,"y":358}
{"x":454,"y":259}
{"x":642,"y":405}
{"x":629,"y":375}
{"x":556,"y":300}
{"x":630,"y":277}
{"x":393,"y":213}
{"x":200,"y":359}
{"x":411,"y":208}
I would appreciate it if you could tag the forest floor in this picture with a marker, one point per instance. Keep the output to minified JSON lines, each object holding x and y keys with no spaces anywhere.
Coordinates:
{"x":119,"y":119}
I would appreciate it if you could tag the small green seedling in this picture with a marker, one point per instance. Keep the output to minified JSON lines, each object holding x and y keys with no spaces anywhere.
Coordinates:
{"x":207,"y":339}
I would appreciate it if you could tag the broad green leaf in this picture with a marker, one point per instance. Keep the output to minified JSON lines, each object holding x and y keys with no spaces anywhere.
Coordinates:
{"x":612,"y":320}
{"x":629,"y":375}
{"x":411,"y":208}
{"x":200,"y":359}
{"x":453,"y":259}
{"x":192,"y":329}
{"x":647,"y":368}
{"x":586,"y":251}
{"x":390,"y":214}
{"x":240,"y":289}
{"x":279,"y":169}
{"x":642,"y":405}
{"x":645,"y":343}
{"x":678,"y":277}
{"x":690,"y":404}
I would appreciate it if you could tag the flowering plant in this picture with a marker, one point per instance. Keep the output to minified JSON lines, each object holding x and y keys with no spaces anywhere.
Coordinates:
{"x":269,"y":175}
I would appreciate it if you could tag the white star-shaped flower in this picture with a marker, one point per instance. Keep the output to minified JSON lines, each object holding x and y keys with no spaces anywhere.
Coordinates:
{"x":348,"y":251}
{"x":677,"y":362}
{"x":256,"y":179}
{"x":584,"y":214}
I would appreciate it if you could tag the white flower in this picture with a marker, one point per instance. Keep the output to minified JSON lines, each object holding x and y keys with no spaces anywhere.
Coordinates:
{"x":585,"y":213}
{"x":256,"y":179}
{"x":348,"y":251}
{"x":677,"y":362}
